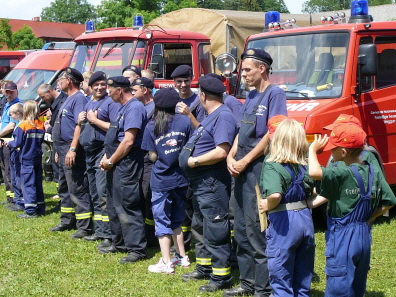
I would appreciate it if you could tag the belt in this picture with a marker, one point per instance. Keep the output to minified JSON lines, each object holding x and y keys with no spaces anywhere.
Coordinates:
{"x":289,"y":206}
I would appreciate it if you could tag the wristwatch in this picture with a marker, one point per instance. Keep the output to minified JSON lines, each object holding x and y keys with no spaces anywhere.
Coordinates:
{"x":196,"y":162}
{"x":109,"y":164}
{"x":73,"y":149}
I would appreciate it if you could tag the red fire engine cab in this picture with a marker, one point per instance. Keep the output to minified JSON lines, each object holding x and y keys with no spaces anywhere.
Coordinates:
{"x":332,"y":69}
{"x":110,"y":50}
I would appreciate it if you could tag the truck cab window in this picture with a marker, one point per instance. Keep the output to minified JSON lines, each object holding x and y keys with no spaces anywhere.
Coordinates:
{"x":366,"y":82}
{"x":386,"y":75}
{"x":174,"y":55}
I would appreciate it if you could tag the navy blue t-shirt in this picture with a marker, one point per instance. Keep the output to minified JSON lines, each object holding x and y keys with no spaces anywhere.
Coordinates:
{"x":235,"y":106}
{"x":166,"y":174}
{"x":221,"y":130}
{"x":150,"y":109}
{"x":199,"y":111}
{"x":69,"y":115}
{"x":273,"y":103}
{"x":107,"y":111}
{"x":133,"y":116}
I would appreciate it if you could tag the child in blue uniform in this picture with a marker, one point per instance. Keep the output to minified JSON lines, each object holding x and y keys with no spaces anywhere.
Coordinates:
{"x":16,"y":114}
{"x":164,"y":137}
{"x":357,"y":193}
{"x":290,"y":235}
{"x":28,"y":137}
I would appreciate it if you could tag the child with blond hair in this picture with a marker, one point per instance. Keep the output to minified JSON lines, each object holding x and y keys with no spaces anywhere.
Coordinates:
{"x":28,"y":137}
{"x":290,"y":234}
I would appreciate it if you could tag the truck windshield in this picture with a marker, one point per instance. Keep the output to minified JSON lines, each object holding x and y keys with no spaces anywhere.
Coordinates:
{"x":82,"y":57}
{"x":28,"y":81}
{"x":306,"y":66}
{"x":113,"y":57}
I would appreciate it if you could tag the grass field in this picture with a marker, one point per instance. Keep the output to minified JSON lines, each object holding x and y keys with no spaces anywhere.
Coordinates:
{"x":36,"y":262}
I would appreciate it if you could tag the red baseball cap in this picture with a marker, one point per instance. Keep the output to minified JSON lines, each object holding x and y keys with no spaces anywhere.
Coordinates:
{"x":274,"y":122}
{"x":344,"y":118}
{"x":347,"y":135}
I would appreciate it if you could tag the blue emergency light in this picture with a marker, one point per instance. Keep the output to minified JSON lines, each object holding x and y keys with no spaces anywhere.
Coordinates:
{"x":137,"y":21}
{"x":89,"y":27}
{"x":271,"y":17}
{"x":359,"y":7}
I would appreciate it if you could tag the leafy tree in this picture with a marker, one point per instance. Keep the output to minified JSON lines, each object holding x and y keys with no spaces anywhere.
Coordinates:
{"x":312,"y":6}
{"x":24,"y":39}
{"x":69,"y":11}
{"x":274,"y":5}
{"x":210,"y":4}
{"x":178,"y":4}
{"x":5,"y":34}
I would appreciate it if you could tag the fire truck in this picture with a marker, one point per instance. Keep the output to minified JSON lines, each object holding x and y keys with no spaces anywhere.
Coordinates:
{"x":112,"y":49}
{"x":8,"y":60}
{"x":334,"y":68}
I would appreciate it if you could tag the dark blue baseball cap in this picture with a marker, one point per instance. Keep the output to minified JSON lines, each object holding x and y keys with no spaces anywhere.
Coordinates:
{"x":166,"y":98}
{"x":97,"y":76}
{"x":211,"y":85}
{"x":257,"y":53}
{"x":143,"y":81}
{"x":134,"y":69}
{"x":182,"y":71}
{"x":74,"y":73}
{"x":118,"y":81}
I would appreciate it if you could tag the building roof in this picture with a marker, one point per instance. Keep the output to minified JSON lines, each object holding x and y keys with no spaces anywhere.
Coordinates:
{"x":48,"y":30}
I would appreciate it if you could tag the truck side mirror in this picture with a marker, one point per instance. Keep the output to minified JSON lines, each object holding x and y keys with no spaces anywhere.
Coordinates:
{"x":157,"y":64}
{"x":367,"y":59}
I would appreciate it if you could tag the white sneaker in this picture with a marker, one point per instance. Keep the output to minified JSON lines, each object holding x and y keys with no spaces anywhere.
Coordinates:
{"x":178,"y":260}
{"x":162,"y":267}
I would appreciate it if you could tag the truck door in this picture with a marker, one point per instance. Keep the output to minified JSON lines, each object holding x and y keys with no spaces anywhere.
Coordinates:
{"x":376,"y":104}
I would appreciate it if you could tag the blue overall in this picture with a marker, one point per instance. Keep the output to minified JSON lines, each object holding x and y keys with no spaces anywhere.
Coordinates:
{"x":251,"y":244}
{"x":290,"y":243}
{"x":73,"y":182}
{"x":211,"y":186}
{"x":348,"y":243}
{"x":124,"y":202}
{"x":16,"y":181}
{"x":93,"y":143}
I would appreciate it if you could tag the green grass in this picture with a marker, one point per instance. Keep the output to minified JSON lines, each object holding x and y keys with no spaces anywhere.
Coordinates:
{"x":36,"y":262}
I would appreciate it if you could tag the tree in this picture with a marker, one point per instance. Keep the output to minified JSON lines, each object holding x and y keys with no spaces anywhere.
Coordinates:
{"x":178,"y":4}
{"x":5,"y":34}
{"x":210,"y":4}
{"x":274,"y":5}
{"x":312,"y":6}
{"x":24,"y":39}
{"x":69,"y":11}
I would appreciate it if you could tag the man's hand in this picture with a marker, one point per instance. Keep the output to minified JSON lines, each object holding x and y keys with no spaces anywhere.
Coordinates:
{"x":92,"y":116}
{"x":70,"y":158}
{"x":230,"y":166}
{"x":81,"y":117}
{"x":240,"y":166}
{"x":104,"y":164}
{"x":182,"y":108}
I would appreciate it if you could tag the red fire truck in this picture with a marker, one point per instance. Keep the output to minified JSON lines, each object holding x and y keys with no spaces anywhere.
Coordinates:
{"x":110,"y":50}
{"x":8,"y":60}
{"x":332,"y":69}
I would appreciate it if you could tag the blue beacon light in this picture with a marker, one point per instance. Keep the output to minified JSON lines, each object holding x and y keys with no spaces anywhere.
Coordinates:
{"x":137,"y":21}
{"x":359,"y":7}
{"x":89,"y":27}
{"x":271,"y":17}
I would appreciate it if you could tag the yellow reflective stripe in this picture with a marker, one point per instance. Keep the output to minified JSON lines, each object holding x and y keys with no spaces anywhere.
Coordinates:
{"x":186,"y":228}
{"x":204,"y":261}
{"x":105,"y":218}
{"x":97,"y":217}
{"x":109,"y":63}
{"x":67,"y":209}
{"x":56,"y":185}
{"x":149,"y":222}
{"x":85,"y":215}
{"x":221,"y":271}
{"x":8,"y":193}
{"x":232,"y":232}
{"x":11,"y":195}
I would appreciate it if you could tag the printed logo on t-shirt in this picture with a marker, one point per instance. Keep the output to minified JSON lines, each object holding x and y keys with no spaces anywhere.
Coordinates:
{"x":64,"y":112}
{"x":171,"y":142}
{"x":260,"y":110}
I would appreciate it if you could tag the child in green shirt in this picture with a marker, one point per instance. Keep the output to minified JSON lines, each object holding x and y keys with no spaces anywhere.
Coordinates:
{"x":356,"y":194}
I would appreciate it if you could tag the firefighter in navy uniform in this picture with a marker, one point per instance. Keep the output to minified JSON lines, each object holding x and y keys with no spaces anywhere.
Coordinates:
{"x":204,"y":161}
{"x":123,"y":161}
{"x":245,"y":164}
{"x":76,"y":204}
{"x":142,"y":89}
{"x":95,"y":121}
